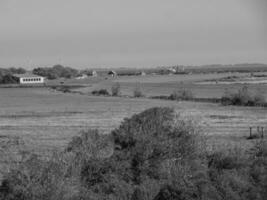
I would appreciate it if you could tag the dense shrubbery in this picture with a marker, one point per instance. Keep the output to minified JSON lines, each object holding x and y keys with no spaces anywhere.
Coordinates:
{"x":103,"y":92}
{"x":243,"y":98}
{"x":57,"y":71}
{"x":182,"y":94}
{"x":116,"y":89}
{"x":137,"y":91}
{"x":8,"y":79}
{"x":62,"y":88}
{"x":6,"y":75}
{"x":154,"y":155}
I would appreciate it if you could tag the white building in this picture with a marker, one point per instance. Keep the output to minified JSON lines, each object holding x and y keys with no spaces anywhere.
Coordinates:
{"x":28,"y":78}
{"x":94,"y":73}
{"x":83,"y":76}
{"x":143,"y":73}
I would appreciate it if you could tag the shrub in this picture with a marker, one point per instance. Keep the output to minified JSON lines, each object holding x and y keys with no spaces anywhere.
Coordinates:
{"x":57,"y":71}
{"x":137,"y":92}
{"x":243,"y":98}
{"x":116,"y":89}
{"x":8,"y":79}
{"x":103,"y":92}
{"x":183,"y":94}
{"x":154,"y":155}
{"x":149,"y":139}
{"x":259,"y":98}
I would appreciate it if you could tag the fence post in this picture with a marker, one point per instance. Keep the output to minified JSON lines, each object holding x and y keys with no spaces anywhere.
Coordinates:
{"x":262,"y":133}
{"x":250,"y":132}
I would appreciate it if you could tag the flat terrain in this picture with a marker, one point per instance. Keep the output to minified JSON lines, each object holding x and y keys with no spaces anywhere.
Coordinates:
{"x":202,"y":85}
{"x":46,"y":119}
{"x":43,"y":120}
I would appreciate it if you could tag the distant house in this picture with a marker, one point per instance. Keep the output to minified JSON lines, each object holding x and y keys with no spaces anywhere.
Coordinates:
{"x":94,"y":73}
{"x":112,"y":73}
{"x":28,"y":78}
{"x":90,"y":73}
{"x":172,"y":70}
{"x":143,"y":73}
{"x":83,"y":76}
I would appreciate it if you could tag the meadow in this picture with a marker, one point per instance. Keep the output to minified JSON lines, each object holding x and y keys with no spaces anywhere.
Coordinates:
{"x":201,"y":85}
{"x":43,"y":120}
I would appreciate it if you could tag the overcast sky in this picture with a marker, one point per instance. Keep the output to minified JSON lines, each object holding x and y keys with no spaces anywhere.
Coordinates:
{"x":134,"y":33}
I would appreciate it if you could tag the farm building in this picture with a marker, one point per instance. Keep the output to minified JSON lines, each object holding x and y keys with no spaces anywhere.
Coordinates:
{"x":88,"y":73}
{"x":28,"y":78}
{"x":172,"y":70}
{"x":143,"y":73}
{"x":112,"y":73}
{"x":83,"y":76}
{"x":94,"y":73}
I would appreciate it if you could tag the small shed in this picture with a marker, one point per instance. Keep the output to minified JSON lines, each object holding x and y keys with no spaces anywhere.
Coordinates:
{"x":143,"y":73}
{"x":112,"y":73}
{"x":94,"y":73}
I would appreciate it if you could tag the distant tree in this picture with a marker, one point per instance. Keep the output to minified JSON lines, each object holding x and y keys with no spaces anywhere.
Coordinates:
{"x":182,"y":94}
{"x":57,"y":71}
{"x":137,"y":92}
{"x":116,"y":89}
{"x":8,"y":79}
{"x":19,"y":70}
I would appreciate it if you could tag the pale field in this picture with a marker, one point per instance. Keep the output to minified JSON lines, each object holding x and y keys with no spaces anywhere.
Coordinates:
{"x":42,"y":120}
{"x":164,"y":85}
{"x":47,"y":119}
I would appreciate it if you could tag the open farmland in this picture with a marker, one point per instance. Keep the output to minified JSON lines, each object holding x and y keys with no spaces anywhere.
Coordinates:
{"x":42,"y":120}
{"x":202,"y":85}
{"x":47,"y":119}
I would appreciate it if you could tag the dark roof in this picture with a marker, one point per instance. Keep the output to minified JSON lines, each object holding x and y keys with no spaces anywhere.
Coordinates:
{"x":26,"y":76}
{"x":112,"y":72}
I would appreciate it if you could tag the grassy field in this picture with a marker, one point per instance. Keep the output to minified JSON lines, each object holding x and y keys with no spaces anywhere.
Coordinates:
{"x":48,"y":119}
{"x":202,"y":85}
{"x":45,"y":120}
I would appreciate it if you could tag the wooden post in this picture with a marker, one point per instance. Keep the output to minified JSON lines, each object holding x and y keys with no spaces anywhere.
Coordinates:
{"x":262,"y":129}
{"x":258,"y":129}
{"x":250,"y":132}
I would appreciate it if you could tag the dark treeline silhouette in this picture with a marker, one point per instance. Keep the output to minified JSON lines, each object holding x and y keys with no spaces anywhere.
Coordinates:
{"x":6,"y":74}
{"x":57,"y":71}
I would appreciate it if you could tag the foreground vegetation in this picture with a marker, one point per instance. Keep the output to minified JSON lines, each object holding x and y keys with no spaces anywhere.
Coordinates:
{"x":243,"y":98}
{"x":6,"y":75}
{"x":156,"y":155}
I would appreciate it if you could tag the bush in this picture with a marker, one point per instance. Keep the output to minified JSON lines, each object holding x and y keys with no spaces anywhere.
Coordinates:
{"x":57,"y":71}
{"x":150,"y":139}
{"x":103,"y":92}
{"x":116,"y":89}
{"x":137,"y":92}
{"x":154,"y":155}
{"x":243,"y":98}
{"x":183,"y":94}
{"x":64,"y":89}
{"x":8,"y":79}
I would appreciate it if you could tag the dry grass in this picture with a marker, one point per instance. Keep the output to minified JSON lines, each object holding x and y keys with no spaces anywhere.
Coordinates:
{"x":46,"y":120}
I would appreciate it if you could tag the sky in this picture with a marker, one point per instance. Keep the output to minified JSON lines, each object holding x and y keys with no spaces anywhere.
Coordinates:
{"x":132,"y":33}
